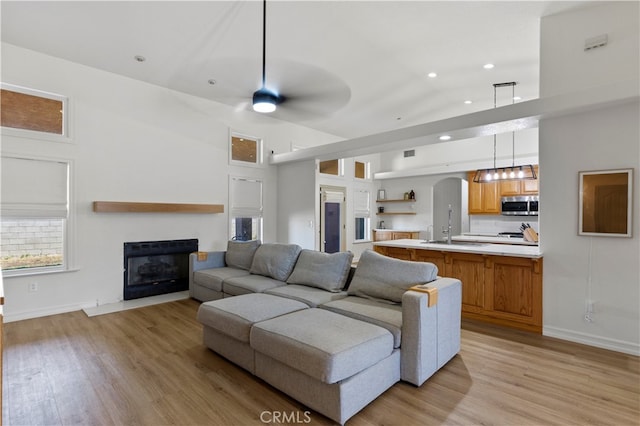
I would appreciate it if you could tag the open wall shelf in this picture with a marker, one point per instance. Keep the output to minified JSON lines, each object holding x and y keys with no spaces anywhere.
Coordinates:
{"x":134,"y":207}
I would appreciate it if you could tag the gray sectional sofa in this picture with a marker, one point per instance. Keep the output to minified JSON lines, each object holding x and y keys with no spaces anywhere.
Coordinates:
{"x":329,"y":335}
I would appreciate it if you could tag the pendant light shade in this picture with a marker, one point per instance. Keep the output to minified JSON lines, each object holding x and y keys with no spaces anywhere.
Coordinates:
{"x":514,"y":172}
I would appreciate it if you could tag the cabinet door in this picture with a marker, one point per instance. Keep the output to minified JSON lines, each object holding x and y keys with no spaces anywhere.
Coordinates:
{"x":435,"y":257}
{"x":399,"y":253}
{"x":401,"y":235}
{"x":509,"y":188}
{"x":470,"y":269}
{"x":379,"y":235}
{"x":514,"y":290}
{"x":484,"y":198}
{"x":529,"y":187}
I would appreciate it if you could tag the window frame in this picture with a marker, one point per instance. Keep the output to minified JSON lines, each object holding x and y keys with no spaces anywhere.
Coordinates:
{"x":65,"y":137}
{"x":367,"y":170}
{"x":68,"y":232}
{"x":340,"y":167}
{"x":246,"y":212}
{"x":259,"y":148}
{"x":362,"y":214}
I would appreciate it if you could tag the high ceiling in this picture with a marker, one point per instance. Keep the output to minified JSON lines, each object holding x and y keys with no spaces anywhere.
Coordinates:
{"x":349,"y":68}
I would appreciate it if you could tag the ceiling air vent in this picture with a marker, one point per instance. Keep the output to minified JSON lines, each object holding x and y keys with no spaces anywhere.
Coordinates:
{"x":410,"y":153}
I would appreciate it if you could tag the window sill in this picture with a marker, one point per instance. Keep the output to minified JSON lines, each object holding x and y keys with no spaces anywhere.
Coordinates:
{"x":362,"y":241}
{"x":23,"y":273}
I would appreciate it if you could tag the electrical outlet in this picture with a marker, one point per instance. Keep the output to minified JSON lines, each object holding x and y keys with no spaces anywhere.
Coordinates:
{"x":33,"y":287}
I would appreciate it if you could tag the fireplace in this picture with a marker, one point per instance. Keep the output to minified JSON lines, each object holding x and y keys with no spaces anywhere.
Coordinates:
{"x":156,"y":267}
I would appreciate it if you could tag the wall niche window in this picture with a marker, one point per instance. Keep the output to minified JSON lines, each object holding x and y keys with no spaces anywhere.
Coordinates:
{"x":245,"y":150}
{"x":31,"y":110}
{"x":361,"y":170}
{"x":332,"y":167}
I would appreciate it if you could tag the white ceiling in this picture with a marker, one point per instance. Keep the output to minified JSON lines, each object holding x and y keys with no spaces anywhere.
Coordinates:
{"x":356,"y":67}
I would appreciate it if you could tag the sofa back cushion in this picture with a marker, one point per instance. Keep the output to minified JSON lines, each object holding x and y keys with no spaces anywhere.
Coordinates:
{"x":386,"y":279}
{"x":275,"y":260}
{"x":240,"y":253}
{"x":326,"y":271}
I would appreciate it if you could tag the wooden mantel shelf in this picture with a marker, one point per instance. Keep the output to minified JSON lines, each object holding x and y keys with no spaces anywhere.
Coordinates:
{"x":131,"y":207}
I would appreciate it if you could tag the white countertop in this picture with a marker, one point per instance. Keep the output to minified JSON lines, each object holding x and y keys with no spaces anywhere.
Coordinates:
{"x":532,"y":252}
{"x":492,"y":239}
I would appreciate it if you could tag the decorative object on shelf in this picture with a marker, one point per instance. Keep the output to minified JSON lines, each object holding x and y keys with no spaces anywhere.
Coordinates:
{"x":406,"y":195}
{"x":412,"y":195}
{"x":606,"y":203}
{"x":382,"y":194}
{"x":514,"y":172}
{"x":381,"y":209}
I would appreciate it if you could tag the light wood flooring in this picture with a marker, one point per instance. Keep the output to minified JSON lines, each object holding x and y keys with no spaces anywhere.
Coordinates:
{"x":147,"y":366}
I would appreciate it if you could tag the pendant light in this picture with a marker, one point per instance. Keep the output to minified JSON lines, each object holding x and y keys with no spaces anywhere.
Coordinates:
{"x":264,"y":100}
{"x":514,"y":172}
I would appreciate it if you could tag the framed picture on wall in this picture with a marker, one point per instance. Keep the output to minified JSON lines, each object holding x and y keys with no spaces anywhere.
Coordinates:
{"x":606,"y":203}
{"x":382,"y":194}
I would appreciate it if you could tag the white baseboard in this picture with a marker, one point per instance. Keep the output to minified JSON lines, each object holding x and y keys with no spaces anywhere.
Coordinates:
{"x":37,"y":313}
{"x":135,"y":303}
{"x":591,"y":340}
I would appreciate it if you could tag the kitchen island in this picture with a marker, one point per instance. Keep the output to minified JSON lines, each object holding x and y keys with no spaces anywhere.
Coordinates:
{"x":501,"y":283}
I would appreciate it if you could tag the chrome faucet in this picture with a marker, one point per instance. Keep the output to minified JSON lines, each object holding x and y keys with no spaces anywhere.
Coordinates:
{"x":447,"y":231}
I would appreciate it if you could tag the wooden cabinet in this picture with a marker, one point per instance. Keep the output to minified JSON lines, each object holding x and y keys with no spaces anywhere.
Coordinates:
{"x":503,"y":290}
{"x":484,"y":198}
{"x":390,"y":234}
{"x":510,"y":188}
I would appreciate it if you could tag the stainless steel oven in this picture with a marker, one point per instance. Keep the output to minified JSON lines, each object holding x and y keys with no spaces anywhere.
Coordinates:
{"x":522,"y":205}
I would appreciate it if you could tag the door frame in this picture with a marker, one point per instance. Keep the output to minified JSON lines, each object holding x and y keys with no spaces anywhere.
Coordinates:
{"x":343,"y":215}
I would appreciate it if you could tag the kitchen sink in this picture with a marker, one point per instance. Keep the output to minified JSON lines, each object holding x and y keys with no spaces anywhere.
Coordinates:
{"x":454,"y":243}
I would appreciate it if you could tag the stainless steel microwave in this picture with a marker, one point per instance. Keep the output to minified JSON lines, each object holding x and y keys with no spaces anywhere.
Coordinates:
{"x":522,"y":205}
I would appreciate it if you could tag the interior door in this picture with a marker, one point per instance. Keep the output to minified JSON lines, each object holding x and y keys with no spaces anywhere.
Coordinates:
{"x":332,"y":215}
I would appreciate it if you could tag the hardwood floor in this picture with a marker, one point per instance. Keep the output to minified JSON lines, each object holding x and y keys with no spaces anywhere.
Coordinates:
{"x":147,"y":366}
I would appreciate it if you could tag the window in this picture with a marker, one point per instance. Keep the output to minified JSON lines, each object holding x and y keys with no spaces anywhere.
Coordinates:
{"x":35,"y":198}
{"x":361,"y":170}
{"x":362,"y":214}
{"x":246,"y":209}
{"x":245,"y":150}
{"x":332,"y":167}
{"x":32,"y":110}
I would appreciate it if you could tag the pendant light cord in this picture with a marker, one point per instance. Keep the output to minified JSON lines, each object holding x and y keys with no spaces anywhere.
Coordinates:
{"x":264,"y":42}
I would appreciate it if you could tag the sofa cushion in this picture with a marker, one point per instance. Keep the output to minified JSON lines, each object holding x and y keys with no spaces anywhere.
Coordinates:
{"x":275,"y":260}
{"x":381,"y":314}
{"x":324,"y":345}
{"x":310,"y":295}
{"x":212,"y":278}
{"x":327,"y":271}
{"x":234,"y":316}
{"x":249,"y":284}
{"x":386,"y":279}
{"x":240,"y":254}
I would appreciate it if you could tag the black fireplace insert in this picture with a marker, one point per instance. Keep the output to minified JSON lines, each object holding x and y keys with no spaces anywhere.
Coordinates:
{"x":156,"y":267}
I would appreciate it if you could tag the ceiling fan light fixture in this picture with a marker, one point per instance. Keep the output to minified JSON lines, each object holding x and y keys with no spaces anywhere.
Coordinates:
{"x":264,"y":101}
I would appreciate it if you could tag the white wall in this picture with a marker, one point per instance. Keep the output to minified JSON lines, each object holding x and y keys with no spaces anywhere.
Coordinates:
{"x":133,"y":141}
{"x":604,"y":269}
{"x":297,"y":193}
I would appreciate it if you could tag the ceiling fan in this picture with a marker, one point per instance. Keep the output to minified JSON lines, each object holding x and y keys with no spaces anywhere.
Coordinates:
{"x":304,"y":91}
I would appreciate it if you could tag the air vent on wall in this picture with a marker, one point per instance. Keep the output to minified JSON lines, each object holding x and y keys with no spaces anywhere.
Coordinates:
{"x":410,"y":153}
{"x":595,"y":42}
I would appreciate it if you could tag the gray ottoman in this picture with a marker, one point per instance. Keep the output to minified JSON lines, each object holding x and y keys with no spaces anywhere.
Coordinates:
{"x":334,"y":364}
{"x":227,"y":323}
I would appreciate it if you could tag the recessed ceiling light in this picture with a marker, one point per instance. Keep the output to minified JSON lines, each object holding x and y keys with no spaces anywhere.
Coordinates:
{"x":467,"y":102}
{"x":444,"y":137}
{"x":488,"y":66}
{"x":211,"y":81}
{"x":432,"y":75}
{"x":139,"y":58}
